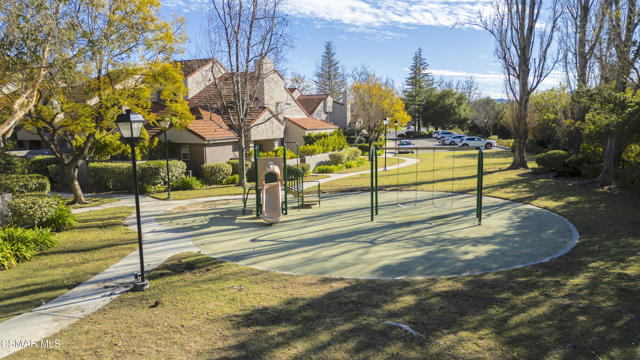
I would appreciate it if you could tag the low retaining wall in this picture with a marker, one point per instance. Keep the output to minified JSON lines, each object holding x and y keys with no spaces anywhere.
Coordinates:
{"x":315,"y":160}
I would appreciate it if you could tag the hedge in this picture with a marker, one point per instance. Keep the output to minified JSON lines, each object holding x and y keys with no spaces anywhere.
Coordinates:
{"x":31,"y":211}
{"x":187,"y":183}
{"x":24,"y":184}
{"x":10,"y":164}
{"x":216,"y":173}
{"x":235,"y":166}
{"x":106,"y":176}
{"x":18,"y":245}
{"x":552,"y":160}
{"x":40,"y":164}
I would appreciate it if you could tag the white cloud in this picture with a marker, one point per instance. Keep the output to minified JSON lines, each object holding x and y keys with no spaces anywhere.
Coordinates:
{"x":363,"y":15}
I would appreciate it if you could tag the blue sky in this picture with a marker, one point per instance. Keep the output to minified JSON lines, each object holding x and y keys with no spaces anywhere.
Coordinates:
{"x":383,"y":34}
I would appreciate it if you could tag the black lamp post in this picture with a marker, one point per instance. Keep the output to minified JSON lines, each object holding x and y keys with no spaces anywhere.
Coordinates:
{"x":164,"y":124}
{"x":130,"y":126}
{"x":395,"y":141}
{"x":385,"y":122}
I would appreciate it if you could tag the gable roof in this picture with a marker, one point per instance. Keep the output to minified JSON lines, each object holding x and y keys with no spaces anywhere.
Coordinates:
{"x":311,"y":123}
{"x":190,"y":67}
{"x":311,"y":102}
{"x":206,"y":125}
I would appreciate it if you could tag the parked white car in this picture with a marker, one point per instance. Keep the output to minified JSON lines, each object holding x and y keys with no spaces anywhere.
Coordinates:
{"x":472,"y":141}
{"x":445,"y":139}
{"x":436,"y":134}
{"x":443,"y":133}
{"x":405,"y":146}
{"x":453,"y":140}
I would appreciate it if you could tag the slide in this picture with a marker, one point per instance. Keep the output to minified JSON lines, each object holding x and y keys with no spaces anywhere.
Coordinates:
{"x":271,"y":202}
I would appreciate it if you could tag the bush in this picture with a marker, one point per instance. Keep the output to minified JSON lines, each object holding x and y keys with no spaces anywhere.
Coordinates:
{"x":24,"y":184}
{"x":352,"y":153}
{"x":337,"y":158}
{"x":552,"y":160}
{"x":62,"y":219}
{"x":10,"y":164}
{"x":364,"y":148}
{"x":305,"y":168}
{"x":40,"y":165}
{"x":231,"y":180}
{"x":235,"y":166}
{"x":56,"y":175}
{"x":18,"y":244}
{"x":216,"y":173}
{"x":31,"y":211}
{"x":629,"y":179}
{"x":572,"y":166}
{"x":325,"y":169}
{"x":107,"y":176}
{"x":187,"y":183}
{"x":328,"y":142}
{"x":308,"y":150}
{"x":154,"y":173}
{"x":416,"y":134}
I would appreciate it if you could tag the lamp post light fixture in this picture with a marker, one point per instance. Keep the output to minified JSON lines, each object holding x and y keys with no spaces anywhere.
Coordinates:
{"x":165,"y":123}
{"x":385,"y":122}
{"x":130,"y":125}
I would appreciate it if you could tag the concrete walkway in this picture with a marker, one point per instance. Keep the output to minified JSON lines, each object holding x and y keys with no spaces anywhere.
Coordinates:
{"x":160,"y":243}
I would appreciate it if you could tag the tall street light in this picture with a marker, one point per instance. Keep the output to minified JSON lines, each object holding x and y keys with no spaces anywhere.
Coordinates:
{"x":385,"y":122}
{"x":130,"y":125}
{"x":165,"y":123}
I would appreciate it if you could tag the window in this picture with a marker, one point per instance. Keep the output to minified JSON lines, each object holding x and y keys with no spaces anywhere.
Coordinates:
{"x":184,"y":152}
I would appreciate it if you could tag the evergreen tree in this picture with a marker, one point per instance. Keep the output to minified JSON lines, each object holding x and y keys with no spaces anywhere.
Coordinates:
{"x":329,"y":77}
{"x":417,"y":84}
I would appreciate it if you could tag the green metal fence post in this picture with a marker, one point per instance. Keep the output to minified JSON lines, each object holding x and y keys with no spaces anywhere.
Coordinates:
{"x":372,"y":184}
{"x":375,"y":156}
{"x":284,"y":156}
{"x":479,"y":183}
{"x":256,"y":153}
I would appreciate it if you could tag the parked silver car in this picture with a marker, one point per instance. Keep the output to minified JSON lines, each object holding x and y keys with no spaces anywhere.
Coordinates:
{"x":472,"y":141}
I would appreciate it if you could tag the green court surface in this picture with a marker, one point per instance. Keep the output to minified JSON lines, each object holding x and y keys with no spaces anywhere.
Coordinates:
{"x":416,"y":234}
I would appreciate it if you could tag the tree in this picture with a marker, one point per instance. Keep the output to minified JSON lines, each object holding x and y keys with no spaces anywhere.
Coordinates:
{"x":373,"y":101}
{"x":79,"y":103}
{"x":416,"y":86}
{"x":522,"y":47}
{"x":551,"y":110}
{"x":329,"y":77}
{"x":469,"y":87}
{"x":486,"y":113}
{"x":300,"y":82}
{"x":32,"y":33}
{"x":620,"y":64}
{"x":445,"y":109}
{"x":243,"y":33}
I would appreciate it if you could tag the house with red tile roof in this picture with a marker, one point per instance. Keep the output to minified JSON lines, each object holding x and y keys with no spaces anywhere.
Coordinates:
{"x":324,"y":107}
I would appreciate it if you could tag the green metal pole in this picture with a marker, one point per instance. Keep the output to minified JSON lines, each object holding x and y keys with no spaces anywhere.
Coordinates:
{"x":375,"y":156}
{"x":372,"y":184}
{"x":479,"y":183}
{"x":284,"y":156}
{"x":256,"y":153}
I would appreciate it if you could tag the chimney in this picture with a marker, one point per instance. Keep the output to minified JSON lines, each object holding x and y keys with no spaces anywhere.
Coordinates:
{"x":264,"y":66}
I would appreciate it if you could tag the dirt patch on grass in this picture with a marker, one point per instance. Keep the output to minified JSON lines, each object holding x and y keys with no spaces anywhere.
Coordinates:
{"x":201,"y":206}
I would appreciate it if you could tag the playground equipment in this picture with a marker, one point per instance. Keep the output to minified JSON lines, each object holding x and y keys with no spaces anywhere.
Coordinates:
{"x":272,"y":177}
{"x":374,"y":178}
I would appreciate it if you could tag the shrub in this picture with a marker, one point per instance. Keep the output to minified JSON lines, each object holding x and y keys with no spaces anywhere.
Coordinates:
{"x":31,"y":211}
{"x":590,"y":170}
{"x":57,"y":177}
{"x":337,"y":158}
{"x":364,"y":148}
{"x":416,"y":134}
{"x":324,"y":169}
{"x":62,"y":219}
{"x":187,"y":183}
{"x":10,"y":164}
{"x":24,"y":184}
{"x":154,"y":173}
{"x":231,"y":180}
{"x":107,"y":176}
{"x":353,"y":153}
{"x":40,"y":165}
{"x":305,"y":168}
{"x":572,"y":166}
{"x":216,"y":173}
{"x":332,"y":141}
{"x":18,"y":244}
{"x":235,"y":166}
{"x":552,"y":160}
{"x":350,"y":165}
{"x":308,"y":150}
{"x":505,"y":142}
{"x":629,"y":178}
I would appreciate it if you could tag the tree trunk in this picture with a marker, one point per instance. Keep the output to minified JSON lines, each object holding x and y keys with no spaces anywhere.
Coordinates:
{"x":71,"y":171}
{"x":241,"y":167}
{"x":519,"y":155}
{"x":611,"y":161}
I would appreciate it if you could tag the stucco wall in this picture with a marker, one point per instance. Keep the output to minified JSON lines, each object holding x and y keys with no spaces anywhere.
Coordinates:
{"x":221,"y":152}
{"x":201,"y":78}
{"x":294,"y":133}
{"x":269,"y":128}
{"x":181,"y":137}
{"x":315,"y":160}
{"x":272,"y":93}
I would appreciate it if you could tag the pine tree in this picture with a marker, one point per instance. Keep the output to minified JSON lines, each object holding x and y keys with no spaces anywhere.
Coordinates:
{"x":329,"y":77}
{"x":417,"y":84}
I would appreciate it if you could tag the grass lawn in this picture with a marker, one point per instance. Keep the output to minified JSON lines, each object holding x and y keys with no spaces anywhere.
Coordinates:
{"x":580,"y":306}
{"x":367,"y":166}
{"x":91,"y":202}
{"x":99,"y":241}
